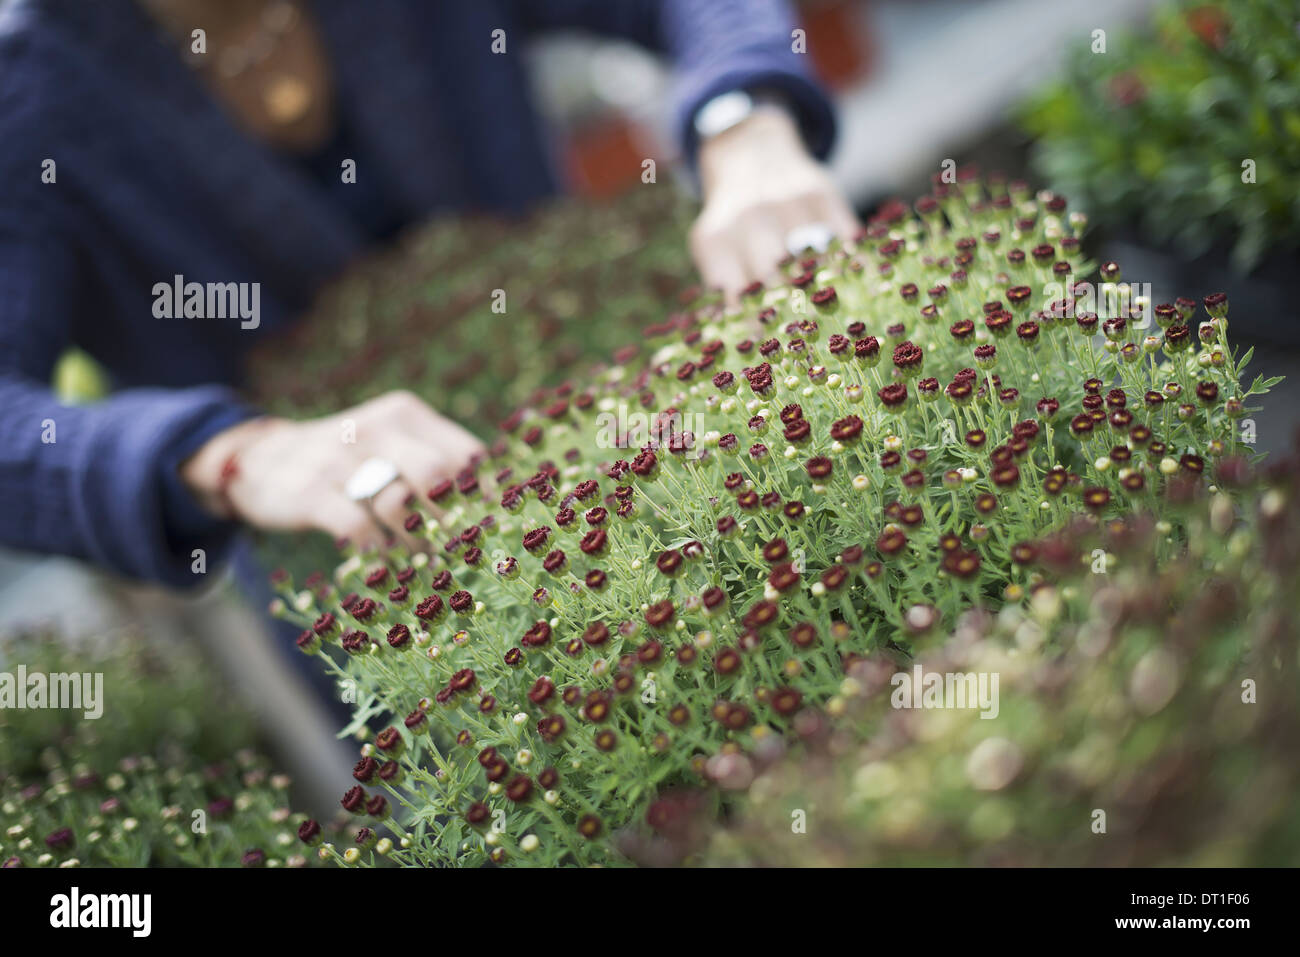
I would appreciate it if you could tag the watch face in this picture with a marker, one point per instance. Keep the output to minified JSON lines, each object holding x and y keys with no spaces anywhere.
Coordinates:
{"x":723,"y":112}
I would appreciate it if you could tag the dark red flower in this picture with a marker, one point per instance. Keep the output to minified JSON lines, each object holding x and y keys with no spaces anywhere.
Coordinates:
{"x":803,"y":635}
{"x":596,"y":634}
{"x":542,"y":690}
{"x":537,"y":636}
{"x":824,"y":298}
{"x":783,"y":577}
{"x":534,"y":541}
{"x":962,"y":564}
{"x":891,"y":542}
{"x":798,"y":432}
{"x":309,"y":832}
{"x":593,"y":543}
{"x":760,"y":614}
{"x":786,"y":701}
{"x":727,"y":661}
{"x":661,"y":614}
{"x":551,"y":728}
{"x":520,"y":788}
{"x":670,"y":563}
{"x":847,"y":430}
{"x":867,"y":349}
{"x":354,"y":801}
{"x":893,"y":396}
{"x":908,"y":357}
{"x":1096,"y":498}
{"x":462,"y":680}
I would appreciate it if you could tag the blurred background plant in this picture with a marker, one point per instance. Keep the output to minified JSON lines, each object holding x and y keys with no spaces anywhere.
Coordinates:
{"x":1188,"y":128}
{"x":1147,"y":717}
{"x":167,"y":775}
{"x":481,"y":313}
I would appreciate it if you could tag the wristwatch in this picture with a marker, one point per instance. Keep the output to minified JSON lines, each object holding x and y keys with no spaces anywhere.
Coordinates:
{"x":730,"y":109}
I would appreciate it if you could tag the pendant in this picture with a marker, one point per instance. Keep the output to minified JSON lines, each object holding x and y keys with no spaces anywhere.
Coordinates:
{"x":287,"y":99}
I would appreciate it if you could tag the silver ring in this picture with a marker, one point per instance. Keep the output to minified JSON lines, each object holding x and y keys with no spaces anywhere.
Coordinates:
{"x":814,"y":236}
{"x":371,"y":478}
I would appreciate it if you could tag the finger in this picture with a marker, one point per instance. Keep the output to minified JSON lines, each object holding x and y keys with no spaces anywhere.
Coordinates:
{"x":763,"y":246}
{"x":451,"y":442}
{"x":406,"y":413}
{"x":832,"y":209}
{"x":723,"y":269}
{"x":392,"y":506}
{"x":348,"y":520}
{"x":824,"y":207}
{"x":421,"y":464}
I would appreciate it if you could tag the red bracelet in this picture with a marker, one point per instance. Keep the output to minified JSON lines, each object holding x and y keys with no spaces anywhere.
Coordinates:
{"x":229,"y":472}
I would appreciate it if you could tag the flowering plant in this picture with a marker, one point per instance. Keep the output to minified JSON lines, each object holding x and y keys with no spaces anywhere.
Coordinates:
{"x":1190,"y":127}
{"x":672,"y":560}
{"x":150,"y":782}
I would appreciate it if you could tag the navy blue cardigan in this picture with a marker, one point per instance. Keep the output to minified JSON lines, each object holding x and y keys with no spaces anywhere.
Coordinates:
{"x":151,"y":179}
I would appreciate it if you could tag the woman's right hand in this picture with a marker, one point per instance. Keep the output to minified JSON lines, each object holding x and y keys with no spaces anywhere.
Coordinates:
{"x":291,"y":475}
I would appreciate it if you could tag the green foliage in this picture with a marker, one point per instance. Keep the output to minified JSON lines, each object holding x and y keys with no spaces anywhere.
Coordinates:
{"x":1156,"y":129}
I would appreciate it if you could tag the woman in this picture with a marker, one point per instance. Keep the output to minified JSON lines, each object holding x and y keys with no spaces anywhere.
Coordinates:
{"x":249,"y":149}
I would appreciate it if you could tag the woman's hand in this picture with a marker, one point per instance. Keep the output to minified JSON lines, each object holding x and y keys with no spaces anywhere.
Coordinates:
{"x":759,"y":184}
{"x":291,"y":475}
